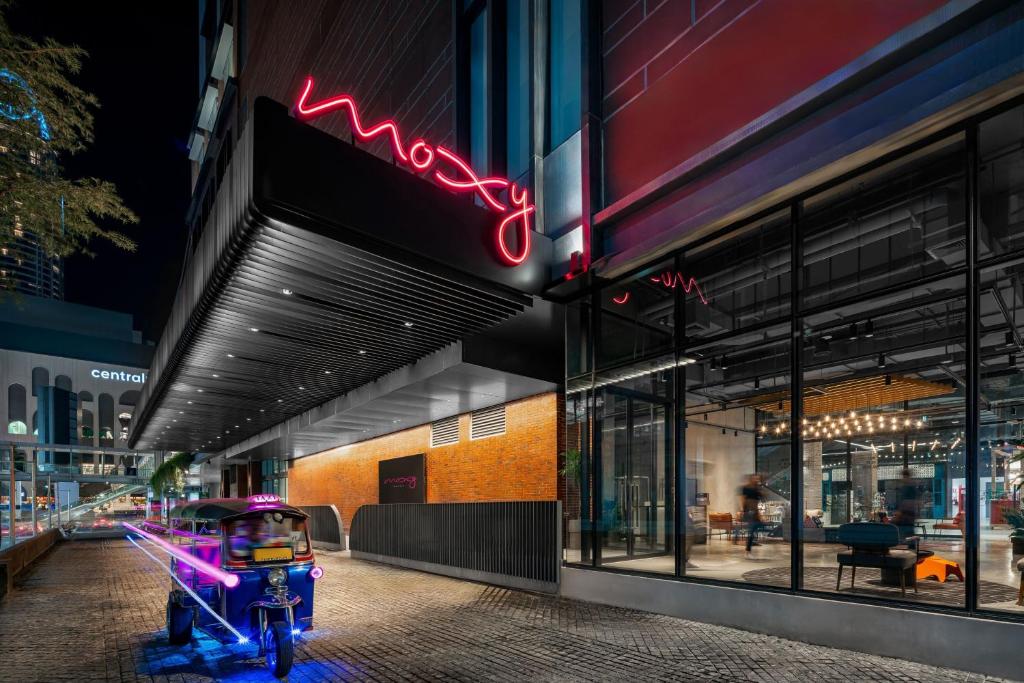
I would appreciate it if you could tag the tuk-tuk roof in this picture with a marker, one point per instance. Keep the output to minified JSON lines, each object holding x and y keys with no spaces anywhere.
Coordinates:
{"x":216,"y":509}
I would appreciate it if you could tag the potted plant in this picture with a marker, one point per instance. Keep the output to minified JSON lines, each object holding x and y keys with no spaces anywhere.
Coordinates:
{"x":1015,"y":518}
{"x":571,"y":511}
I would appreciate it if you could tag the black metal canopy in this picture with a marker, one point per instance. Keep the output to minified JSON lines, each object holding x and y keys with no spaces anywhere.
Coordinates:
{"x":320,"y":268}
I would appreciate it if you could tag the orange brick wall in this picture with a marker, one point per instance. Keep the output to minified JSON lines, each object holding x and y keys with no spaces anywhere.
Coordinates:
{"x":519,"y":465}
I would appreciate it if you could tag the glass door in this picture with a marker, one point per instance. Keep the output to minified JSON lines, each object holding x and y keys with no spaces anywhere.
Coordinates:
{"x":636,"y":484}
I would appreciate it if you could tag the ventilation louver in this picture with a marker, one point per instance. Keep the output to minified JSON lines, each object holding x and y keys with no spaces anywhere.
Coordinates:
{"x":444,"y":432}
{"x":487,"y":422}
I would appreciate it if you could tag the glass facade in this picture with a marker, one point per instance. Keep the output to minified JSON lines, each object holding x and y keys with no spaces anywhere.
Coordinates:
{"x":564,"y":68}
{"x":888,"y":304}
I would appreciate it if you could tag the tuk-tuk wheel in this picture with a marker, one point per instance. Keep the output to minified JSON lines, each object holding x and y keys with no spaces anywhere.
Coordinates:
{"x":278,"y":645}
{"x":179,"y":623}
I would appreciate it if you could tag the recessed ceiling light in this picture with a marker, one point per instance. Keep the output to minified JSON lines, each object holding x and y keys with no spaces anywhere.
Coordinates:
{"x":248,"y":419}
{"x":327,"y":372}
{"x":199,"y":390}
{"x":190,"y":402}
{"x":286,"y":291}
{"x":174,"y":420}
{"x":182,"y":412}
{"x":254,"y":329}
{"x":408,"y":323}
{"x":301,"y":388}
{"x":362,"y":352}
{"x":263,"y":410}
{"x":216,"y":375}
{"x":231,"y":355}
{"x":280,"y":400}
{"x":236,"y":426}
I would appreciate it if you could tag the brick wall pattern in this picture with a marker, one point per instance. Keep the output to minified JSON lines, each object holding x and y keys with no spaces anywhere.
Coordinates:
{"x":519,"y":465}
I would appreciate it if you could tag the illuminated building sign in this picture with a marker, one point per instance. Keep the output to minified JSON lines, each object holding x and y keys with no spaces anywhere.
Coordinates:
{"x":402,"y":480}
{"x":119,"y":375}
{"x":443,"y":166}
{"x":264,"y":498}
{"x":669,"y":280}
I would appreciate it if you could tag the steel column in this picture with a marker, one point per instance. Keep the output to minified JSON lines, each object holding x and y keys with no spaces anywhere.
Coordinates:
{"x":796,"y":498}
{"x":12,"y":531}
{"x":972,"y":520}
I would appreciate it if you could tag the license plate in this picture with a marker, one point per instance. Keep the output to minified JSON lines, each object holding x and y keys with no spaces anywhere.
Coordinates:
{"x":271,"y":554}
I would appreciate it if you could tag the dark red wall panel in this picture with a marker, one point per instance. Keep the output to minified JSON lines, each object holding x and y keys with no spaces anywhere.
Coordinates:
{"x":674,"y":88}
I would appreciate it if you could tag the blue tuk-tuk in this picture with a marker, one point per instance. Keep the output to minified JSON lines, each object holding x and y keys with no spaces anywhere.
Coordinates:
{"x":255,"y":573}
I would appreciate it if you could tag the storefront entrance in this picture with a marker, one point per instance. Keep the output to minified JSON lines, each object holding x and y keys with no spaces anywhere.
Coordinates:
{"x":636,"y":484}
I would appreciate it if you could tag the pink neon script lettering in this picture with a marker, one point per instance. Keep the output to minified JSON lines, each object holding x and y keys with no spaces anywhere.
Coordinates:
{"x":408,"y":481}
{"x":421,"y":157}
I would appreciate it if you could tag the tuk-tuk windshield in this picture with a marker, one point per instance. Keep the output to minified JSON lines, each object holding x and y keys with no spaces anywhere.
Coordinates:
{"x":249,"y":538}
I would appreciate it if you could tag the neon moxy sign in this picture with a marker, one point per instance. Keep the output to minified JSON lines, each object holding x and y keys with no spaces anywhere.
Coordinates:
{"x":442,"y":165}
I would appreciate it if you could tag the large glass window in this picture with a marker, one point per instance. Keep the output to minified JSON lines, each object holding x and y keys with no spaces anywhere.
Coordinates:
{"x":884,"y":416}
{"x":1001,"y":184}
{"x":898,"y":223}
{"x":479,"y":109}
{"x":704,"y":462}
{"x":738,"y":452}
{"x":637,"y":316}
{"x":16,"y":409}
{"x":576,"y":471}
{"x":634,"y":472}
{"x":517,"y":153}
{"x":564,"y":80}
{"x":1000,"y":453}
{"x":737,"y":282}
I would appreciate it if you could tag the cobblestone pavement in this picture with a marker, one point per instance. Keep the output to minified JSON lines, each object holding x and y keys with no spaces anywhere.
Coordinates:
{"x":94,"y":611}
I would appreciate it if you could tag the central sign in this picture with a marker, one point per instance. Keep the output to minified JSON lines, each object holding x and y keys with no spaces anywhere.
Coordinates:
{"x":119,"y":375}
{"x":445,"y":167}
{"x":402,"y":480}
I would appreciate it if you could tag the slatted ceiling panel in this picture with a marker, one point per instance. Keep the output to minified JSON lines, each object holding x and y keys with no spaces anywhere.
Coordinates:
{"x":302,"y":335}
{"x":858,"y":394}
{"x":487,"y":422}
{"x":444,"y":432}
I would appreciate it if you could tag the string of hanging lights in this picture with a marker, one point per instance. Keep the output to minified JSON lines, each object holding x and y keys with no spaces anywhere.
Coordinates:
{"x":853,"y":423}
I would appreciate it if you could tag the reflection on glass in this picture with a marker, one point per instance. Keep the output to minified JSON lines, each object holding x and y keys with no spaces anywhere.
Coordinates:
{"x":1000,"y":447}
{"x":892,"y":225}
{"x":883,"y":453}
{"x":636,"y":491}
{"x":272,"y":535}
{"x":738,"y":446}
{"x":1001,"y":184}
{"x":637,"y":316}
{"x":576,"y":471}
{"x":740,"y":281}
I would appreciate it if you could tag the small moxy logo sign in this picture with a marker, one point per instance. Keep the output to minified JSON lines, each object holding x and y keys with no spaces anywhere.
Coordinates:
{"x":499,"y":194}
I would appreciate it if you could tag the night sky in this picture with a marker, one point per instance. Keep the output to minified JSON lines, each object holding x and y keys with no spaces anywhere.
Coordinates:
{"x":142,"y":67}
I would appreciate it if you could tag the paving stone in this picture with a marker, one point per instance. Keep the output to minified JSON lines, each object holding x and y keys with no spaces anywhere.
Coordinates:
{"x":94,"y":611}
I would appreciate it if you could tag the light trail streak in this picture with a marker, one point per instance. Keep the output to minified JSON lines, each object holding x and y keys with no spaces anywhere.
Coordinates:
{"x":228,"y":579}
{"x":242,"y":640}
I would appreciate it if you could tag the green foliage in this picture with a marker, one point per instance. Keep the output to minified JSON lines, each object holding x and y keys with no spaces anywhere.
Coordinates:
{"x":32,"y":180}
{"x":1015,"y":518}
{"x":170,"y":474}
{"x":571,"y":469}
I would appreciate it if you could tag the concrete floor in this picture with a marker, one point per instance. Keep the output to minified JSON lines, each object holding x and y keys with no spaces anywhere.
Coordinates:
{"x":94,"y":611}
{"x":723,"y":560}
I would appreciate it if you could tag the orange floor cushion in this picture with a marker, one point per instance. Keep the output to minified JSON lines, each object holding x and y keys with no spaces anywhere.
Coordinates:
{"x":938,"y":568}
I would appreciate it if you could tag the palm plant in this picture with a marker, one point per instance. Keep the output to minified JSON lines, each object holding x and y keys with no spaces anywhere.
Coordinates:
{"x":169,"y":476}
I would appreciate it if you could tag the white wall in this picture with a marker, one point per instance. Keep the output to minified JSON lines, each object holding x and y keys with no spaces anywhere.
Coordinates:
{"x":16,"y":368}
{"x":721,"y":462}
